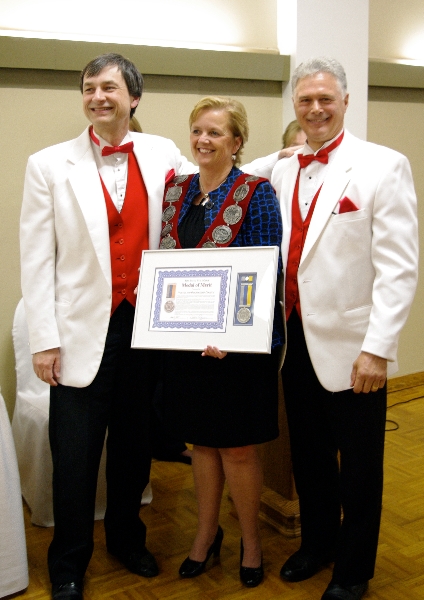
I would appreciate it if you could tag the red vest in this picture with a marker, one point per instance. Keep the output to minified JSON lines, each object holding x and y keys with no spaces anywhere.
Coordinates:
{"x":128,"y":234}
{"x":298,"y":235}
{"x":297,"y":241}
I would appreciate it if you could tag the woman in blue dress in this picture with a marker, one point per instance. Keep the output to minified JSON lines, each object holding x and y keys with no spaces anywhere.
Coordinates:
{"x":223,"y":404}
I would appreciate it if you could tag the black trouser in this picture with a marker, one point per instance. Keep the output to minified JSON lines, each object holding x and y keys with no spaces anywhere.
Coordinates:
{"x":321,"y":424}
{"x":117,"y":401}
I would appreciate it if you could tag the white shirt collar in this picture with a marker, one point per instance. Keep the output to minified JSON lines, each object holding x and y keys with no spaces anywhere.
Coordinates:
{"x":308,"y":150}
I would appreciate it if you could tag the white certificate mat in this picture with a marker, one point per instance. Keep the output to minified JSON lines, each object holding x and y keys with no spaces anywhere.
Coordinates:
{"x":224,"y":297}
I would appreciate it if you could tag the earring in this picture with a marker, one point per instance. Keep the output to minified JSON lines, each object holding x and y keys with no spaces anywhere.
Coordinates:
{"x":234,"y":156}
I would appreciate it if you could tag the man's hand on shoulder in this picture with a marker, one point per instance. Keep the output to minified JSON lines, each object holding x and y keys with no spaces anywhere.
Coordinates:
{"x":47,"y":365}
{"x":369,"y":373}
{"x":287,"y":152}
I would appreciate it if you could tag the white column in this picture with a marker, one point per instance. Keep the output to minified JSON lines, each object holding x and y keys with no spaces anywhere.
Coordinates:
{"x":334,"y":28}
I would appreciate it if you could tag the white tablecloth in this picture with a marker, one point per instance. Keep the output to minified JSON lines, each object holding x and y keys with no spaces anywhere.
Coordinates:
{"x":13,"y":556}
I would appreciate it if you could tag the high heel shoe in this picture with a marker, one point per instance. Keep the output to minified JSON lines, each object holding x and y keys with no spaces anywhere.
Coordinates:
{"x":250,"y":576}
{"x":193,"y":568}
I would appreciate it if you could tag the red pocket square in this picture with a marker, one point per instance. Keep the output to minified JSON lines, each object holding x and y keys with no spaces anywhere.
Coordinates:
{"x":347,"y":205}
{"x":169,"y":176}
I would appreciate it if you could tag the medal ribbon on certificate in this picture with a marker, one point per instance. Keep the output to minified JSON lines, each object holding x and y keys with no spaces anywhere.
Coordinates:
{"x":228,"y":221}
{"x":245,"y":295}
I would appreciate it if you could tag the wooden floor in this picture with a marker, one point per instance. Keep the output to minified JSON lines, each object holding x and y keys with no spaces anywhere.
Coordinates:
{"x":171,"y":524}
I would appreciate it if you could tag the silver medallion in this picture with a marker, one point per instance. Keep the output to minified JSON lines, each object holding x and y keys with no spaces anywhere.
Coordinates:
{"x":209,"y":244}
{"x":222,"y":234}
{"x":180,"y":178}
{"x":232,"y":214}
{"x":252,"y":178}
{"x":241,"y":192}
{"x":243,"y":315}
{"x":166,"y":230}
{"x":169,"y":306}
{"x":168,"y":213}
{"x":173,"y":194}
{"x":167,"y":243}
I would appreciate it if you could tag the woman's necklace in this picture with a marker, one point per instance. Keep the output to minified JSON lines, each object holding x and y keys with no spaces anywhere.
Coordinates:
{"x":206,"y":202}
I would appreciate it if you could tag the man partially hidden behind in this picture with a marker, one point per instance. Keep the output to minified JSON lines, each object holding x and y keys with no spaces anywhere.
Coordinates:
{"x":350,"y":255}
{"x":91,"y":205}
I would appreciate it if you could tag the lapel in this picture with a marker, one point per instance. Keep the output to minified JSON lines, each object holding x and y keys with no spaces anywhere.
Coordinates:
{"x":85,"y":182}
{"x":153,"y":170}
{"x":335,"y":183}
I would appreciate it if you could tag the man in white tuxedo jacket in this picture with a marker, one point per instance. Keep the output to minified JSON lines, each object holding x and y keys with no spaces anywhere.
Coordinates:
{"x":91,"y":205}
{"x":350,"y":256}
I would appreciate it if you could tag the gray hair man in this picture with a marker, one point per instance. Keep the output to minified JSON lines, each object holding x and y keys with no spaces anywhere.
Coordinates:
{"x":350,"y":251}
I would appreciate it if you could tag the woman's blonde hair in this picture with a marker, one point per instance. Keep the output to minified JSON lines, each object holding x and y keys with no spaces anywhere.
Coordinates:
{"x":135,"y":125}
{"x":290,"y":133}
{"x":237,"y":117}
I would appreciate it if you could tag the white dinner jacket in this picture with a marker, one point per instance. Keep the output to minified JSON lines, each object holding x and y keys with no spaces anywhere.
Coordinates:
{"x":65,"y":251}
{"x":358,"y":270}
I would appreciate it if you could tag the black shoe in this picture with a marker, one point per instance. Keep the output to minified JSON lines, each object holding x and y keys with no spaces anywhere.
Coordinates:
{"x":67,"y":591}
{"x":141,"y":563}
{"x":345,"y":592}
{"x":193,"y":568}
{"x":250,"y":576}
{"x":301,"y":565}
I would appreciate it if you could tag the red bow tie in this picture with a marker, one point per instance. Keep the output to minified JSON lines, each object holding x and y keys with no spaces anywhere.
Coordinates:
{"x":108,"y":150}
{"x":127,"y":148}
{"x":305,"y":160}
{"x":322,"y":155}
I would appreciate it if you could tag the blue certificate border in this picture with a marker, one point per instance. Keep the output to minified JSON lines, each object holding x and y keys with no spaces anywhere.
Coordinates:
{"x":177,"y":273}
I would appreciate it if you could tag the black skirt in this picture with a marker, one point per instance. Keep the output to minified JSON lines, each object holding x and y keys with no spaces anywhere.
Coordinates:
{"x":223,"y":403}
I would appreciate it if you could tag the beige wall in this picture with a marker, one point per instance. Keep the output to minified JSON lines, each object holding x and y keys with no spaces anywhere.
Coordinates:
{"x":396,"y":29}
{"x":396,"y":119}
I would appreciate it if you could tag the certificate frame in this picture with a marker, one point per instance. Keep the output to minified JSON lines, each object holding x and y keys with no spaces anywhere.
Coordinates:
{"x":188,"y":299}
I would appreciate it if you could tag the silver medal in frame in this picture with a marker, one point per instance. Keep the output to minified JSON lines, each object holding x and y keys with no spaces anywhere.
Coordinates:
{"x":243,"y":315}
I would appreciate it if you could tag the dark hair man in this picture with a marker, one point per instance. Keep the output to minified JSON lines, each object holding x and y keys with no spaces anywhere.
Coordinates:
{"x":91,"y":205}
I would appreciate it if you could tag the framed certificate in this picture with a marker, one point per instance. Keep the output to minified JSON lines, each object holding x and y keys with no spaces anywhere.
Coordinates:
{"x":224,"y":297}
